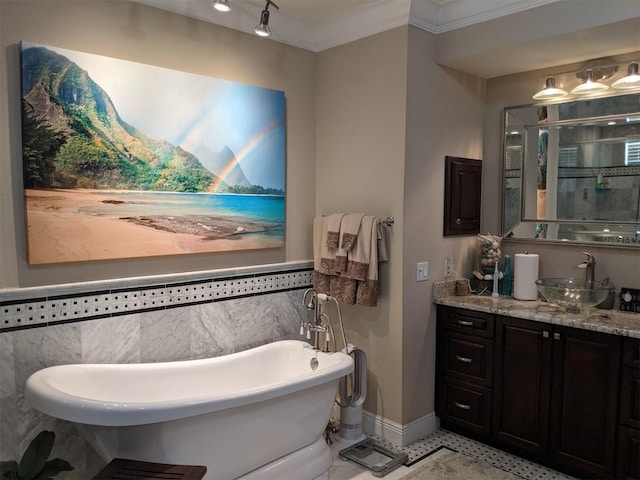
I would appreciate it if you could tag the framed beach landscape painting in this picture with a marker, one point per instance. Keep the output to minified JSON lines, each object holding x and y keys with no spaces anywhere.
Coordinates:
{"x":122,"y":160}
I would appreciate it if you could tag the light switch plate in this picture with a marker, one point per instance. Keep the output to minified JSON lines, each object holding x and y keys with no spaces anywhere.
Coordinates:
{"x":422,"y":271}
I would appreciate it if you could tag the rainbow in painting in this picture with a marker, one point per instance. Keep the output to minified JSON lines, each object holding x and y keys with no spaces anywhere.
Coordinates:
{"x":123,"y":159}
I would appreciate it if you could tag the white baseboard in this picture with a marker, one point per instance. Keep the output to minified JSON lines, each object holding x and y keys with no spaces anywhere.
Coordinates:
{"x":396,"y":433}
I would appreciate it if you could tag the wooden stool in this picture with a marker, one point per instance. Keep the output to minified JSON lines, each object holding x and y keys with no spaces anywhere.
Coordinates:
{"x":123,"y":469}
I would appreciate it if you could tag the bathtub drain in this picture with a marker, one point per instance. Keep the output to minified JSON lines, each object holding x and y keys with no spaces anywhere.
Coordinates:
{"x":313,"y":363}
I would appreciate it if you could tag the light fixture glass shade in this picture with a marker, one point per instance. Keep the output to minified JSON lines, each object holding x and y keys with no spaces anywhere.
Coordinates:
{"x":550,"y":92}
{"x":262,"y":29}
{"x":590,"y":86}
{"x":222,"y":5}
{"x":631,"y":81}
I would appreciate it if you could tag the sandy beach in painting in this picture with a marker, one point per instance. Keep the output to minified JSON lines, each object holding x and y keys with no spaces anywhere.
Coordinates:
{"x":61,"y":230}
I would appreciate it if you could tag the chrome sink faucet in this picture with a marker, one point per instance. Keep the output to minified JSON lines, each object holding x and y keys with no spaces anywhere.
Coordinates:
{"x":590,"y":265}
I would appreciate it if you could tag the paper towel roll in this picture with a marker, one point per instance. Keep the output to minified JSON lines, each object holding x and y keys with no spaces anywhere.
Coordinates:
{"x":525,"y":274}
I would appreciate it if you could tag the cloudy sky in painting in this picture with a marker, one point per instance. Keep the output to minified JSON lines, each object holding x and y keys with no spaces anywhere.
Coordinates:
{"x":187,"y":109}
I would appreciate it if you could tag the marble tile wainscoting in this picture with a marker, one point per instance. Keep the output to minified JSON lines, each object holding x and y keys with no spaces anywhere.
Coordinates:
{"x":224,"y":312}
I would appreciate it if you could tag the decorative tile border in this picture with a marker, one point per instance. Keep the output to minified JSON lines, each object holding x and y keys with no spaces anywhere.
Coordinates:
{"x":493,"y":456}
{"x":43,"y":306}
{"x":573,"y":172}
{"x":576,"y":172}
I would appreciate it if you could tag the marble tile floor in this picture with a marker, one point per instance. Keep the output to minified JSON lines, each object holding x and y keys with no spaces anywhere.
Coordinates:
{"x":347,"y":470}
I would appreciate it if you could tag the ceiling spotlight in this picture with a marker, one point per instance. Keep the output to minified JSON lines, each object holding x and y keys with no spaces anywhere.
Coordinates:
{"x":221,"y":5}
{"x":550,"y":92}
{"x":262,"y":29}
{"x":631,"y":81}
{"x":590,"y":85}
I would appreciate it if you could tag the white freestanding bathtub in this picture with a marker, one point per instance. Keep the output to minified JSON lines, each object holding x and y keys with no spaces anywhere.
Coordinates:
{"x":256,"y":414}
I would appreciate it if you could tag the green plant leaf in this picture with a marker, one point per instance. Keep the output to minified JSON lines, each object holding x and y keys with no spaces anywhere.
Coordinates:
{"x":36,"y":455}
{"x":9,"y":469}
{"x":54,"y":467}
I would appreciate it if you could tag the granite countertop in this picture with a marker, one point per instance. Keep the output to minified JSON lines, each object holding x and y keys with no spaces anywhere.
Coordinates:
{"x":606,"y":321}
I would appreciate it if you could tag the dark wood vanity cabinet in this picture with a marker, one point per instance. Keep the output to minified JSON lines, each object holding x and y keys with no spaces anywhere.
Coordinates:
{"x":553,"y":390}
{"x":556,"y":393}
{"x":465,"y":370}
{"x":628,"y":441}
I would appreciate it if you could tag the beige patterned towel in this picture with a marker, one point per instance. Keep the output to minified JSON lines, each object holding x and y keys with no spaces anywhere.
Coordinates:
{"x":350,"y":276}
{"x":333,"y":230}
{"x":349,"y":228}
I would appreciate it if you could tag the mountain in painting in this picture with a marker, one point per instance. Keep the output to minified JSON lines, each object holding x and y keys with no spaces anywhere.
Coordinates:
{"x":223,"y":164}
{"x":73,"y":137}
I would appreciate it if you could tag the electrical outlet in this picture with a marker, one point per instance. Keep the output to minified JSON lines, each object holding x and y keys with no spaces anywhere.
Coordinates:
{"x":448,"y":266}
{"x":422,"y":271}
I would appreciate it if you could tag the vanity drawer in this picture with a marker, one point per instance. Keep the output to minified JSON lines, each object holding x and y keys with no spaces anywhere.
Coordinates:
{"x":468,"y":358}
{"x":466,"y":406}
{"x":466,"y":321}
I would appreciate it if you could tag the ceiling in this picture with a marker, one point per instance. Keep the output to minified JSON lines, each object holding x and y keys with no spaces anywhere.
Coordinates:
{"x":487,"y":38}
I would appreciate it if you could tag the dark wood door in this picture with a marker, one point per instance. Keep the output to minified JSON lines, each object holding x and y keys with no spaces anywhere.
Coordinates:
{"x":584,"y":394}
{"x":628,"y":456}
{"x":522,"y":384}
{"x":628,"y":446}
{"x":463,"y":187}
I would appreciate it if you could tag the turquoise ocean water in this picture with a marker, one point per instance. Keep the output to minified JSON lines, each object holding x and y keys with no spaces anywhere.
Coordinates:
{"x":260,"y":208}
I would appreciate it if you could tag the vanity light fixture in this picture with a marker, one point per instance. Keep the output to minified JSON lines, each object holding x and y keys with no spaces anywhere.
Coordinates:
{"x":550,"y":91}
{"x":629,"y":82}
{"x":590,"y":85}
{"x":593,"y":76}
{"x":262,"y":29}
{"x":222,"y":5}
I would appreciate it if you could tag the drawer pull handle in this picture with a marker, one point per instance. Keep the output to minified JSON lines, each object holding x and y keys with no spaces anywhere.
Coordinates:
{"x":463,"y":359}
{"x":466,"y":323}
{"x":462,"y":406}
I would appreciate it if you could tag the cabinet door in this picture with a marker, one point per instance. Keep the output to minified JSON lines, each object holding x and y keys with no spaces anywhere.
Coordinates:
{"x":628,"y":462}
{"x":463,"y":186}
{"x":584,"y":393}
{"x":522,"y":379}
{"x":630,"y":397}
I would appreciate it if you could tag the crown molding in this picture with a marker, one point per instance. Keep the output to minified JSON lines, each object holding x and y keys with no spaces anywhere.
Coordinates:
{"x":352,"y":23}
{"x":360,"y":22}
{"x":520,"y":42}
{"x":454,"y":14}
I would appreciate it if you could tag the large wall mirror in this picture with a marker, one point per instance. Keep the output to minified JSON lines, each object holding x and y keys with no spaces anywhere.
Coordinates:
{"x":572,"y":172}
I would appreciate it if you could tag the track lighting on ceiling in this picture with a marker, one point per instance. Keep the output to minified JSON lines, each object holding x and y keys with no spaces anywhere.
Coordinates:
{"x":592,"y":76}
{"x":262,"y":29}
{"x":222,"y":5}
